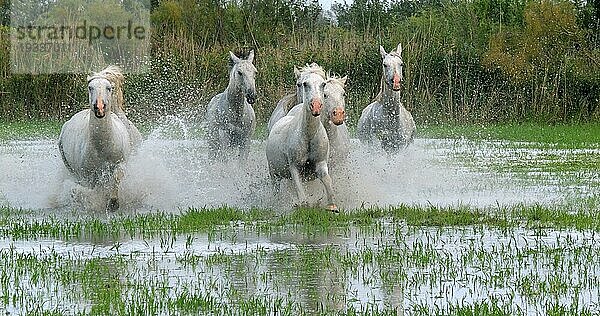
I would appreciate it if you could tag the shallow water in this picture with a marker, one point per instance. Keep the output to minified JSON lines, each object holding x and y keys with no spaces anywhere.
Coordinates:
{"x":174,"y":173}
{"x":381,"y":266}
{"x":393,"y":267}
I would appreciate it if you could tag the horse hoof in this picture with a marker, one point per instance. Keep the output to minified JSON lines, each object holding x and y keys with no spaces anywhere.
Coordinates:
{"x":333,"y":208}
{"x":113,"y":205}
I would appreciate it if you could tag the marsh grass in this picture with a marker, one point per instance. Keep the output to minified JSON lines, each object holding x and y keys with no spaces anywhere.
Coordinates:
{"x":17,"y":225}
{"x":569,"y":136}
{"x":528,"y":250}
{"x":29,"y":129}
{"x":584,"y":135}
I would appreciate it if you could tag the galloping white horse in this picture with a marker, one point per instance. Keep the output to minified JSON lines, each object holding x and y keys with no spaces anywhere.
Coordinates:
{"x":230,"y":118}
{"x":333,"y":118}
{"x":386,"y":118}
{"x":96,"y":142}
{"x":297,"y":147}
{"x":334,"y":101}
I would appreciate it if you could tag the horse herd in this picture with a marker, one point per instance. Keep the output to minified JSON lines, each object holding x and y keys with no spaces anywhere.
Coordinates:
{"x":307,"y":132}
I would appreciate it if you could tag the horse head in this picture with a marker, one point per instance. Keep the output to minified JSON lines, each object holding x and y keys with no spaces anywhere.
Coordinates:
{"x":392,"y":67}
{"x":313,"y":86}
{"x":243,"y":73}
{"x":335,"y":103}
{"x":300,"y":73}
{"x":100,"y":95}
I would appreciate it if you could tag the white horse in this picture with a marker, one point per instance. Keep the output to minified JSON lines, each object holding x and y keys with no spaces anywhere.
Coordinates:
{"x":386,"y":118}
{"x":96,"y":142}
{"x":334,"y":101}
{"x":334,"y":118}
{"x":230,"y":118}
{"x":297,"y":147}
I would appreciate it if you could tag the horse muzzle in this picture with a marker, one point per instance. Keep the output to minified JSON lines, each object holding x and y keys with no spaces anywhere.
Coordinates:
{"x":99,"y":110}
{"x":315,"y":107}
{"x":338,"y":115}
{"x":396,"y":81}
{"x":251,"y":98}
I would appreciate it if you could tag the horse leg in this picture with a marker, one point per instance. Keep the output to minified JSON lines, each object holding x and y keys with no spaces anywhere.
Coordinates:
{"x":113,"y":203}
{"x":244,"y":153}
{"x":275,"y":183}
{"x":213,"y":144}
{"x":323,"y":174}
{"x":298,"y":183}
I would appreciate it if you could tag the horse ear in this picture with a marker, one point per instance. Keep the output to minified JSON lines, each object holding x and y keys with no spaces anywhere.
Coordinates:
{"x":234,"y":58}
{"x":382,"y":51}
{"x":344,"y":79}
{"x":399,"y":48}
{"x":297,"y":72}
{"x":251,"y":56}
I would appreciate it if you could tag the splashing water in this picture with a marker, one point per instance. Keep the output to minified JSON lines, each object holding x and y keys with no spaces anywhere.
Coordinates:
{"x":171,"y":171}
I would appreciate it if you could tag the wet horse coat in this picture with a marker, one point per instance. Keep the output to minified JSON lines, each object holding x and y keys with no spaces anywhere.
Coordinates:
{"x":333,"y":119}
{"x":386,"y":119}
{"x":96,"y":142}
{"x":289,"y":101}
{"x":298,"y":147}
{"x":334,"y":102}
{"x":230,"y":118}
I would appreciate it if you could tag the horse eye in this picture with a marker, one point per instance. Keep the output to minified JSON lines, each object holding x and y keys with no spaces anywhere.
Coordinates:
{"x":239,"y":72}
{"x":305,"y":84}
{"x":326,"y":95}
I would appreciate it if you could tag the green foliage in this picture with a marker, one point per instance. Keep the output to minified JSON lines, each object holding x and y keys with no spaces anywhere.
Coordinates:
{"x":466,"y":61}
{"x":551,"y":60}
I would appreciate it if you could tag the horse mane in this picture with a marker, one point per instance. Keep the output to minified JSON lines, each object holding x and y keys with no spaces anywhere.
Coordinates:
{"x":380,"y":94}
{"x":241,"y":55}
{"x":113,"y":74}
{"x":314,"y":68}
{"x":336,"y":79}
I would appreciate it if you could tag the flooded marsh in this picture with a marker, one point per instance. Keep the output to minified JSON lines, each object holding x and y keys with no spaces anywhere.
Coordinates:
{"x":450,"y":226}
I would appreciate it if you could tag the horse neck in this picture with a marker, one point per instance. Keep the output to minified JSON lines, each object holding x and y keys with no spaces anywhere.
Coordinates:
{"x":310,"y":123}
{"x":390,"y":99}
{"x":330,"y":128}
{"x":101,"y":130}
{"x":235,"y":96}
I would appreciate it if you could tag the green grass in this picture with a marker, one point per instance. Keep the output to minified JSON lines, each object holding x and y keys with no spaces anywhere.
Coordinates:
{"x":34,"y":129}
{"x":406,"y":248}
{"x":572,"y":135}
{"x":14,"y":223}
{"x":563,"y":135}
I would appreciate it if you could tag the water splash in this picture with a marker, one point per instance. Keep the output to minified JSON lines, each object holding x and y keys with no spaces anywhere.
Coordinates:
{"x":171,"y":171}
